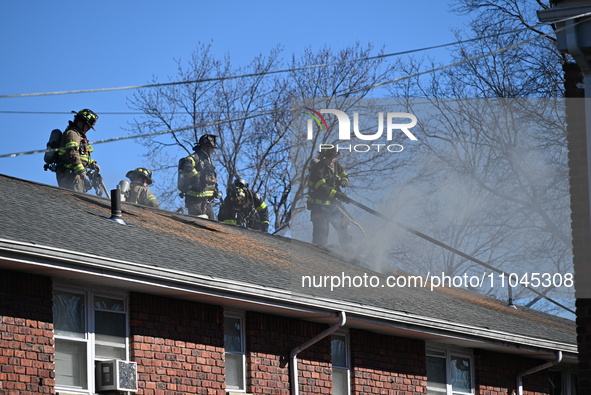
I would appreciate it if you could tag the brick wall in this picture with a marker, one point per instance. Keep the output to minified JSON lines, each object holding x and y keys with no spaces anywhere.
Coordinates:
{"x":26,"y":334}
{"x":269,"y":341}
{"x":178,"y":346}
{"x":387,"y":365}
{"x":380,"y":364}
{"x":579,"y":193}
{"x":496,"y":374}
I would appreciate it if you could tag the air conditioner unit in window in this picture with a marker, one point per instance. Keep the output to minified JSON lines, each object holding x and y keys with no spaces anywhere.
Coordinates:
{"x":116,"y":375}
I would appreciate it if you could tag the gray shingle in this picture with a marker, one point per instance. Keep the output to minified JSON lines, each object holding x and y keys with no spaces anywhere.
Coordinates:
{"x":54,"y":217}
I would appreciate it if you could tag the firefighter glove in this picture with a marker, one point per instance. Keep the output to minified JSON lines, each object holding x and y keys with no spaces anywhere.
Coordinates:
{"x":217,"y":195}
{"x":87,"y":184}
{"x":340,"y":196}
{"x":344,"y":182}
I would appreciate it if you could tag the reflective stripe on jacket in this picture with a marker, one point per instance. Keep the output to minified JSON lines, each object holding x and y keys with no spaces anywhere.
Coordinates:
{"x":251,"y":212}
{"x":140,"y":194}
{"x":324,"y":182}
{"x":75,"y":150}
{"x":201,"y":173}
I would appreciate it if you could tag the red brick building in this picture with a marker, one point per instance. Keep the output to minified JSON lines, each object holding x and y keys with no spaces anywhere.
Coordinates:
{"x":167,"y":303}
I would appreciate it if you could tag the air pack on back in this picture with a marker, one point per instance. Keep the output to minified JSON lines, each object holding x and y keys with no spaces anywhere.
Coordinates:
{"x":51,"y":154}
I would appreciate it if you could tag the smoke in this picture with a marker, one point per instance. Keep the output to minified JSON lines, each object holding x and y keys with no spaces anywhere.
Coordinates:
{"x":497,"y":193}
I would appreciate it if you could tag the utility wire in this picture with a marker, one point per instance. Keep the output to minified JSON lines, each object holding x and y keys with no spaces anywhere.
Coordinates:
{"x":102,"y":112}
{"x":465,"y":60}
{"x":344,"y":94}
{"x":272,"y":112}
{"x":197,"y":126}
{"x":265,"y":73}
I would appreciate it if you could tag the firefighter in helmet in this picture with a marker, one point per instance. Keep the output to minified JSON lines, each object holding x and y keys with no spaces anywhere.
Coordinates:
{"x":326,"y":177}
{"x":198,"y":178}
{"x":74,"y":153}
{"x":138,"y":192}
{"x":244,"y":207}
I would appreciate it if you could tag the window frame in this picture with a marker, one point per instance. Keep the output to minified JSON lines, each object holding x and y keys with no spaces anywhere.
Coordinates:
{"x":436,"y":351}
{"x":89,"y":335}
{"x":241,"y":317}
{"x":347,"y":368}
{"x":568,"y":381}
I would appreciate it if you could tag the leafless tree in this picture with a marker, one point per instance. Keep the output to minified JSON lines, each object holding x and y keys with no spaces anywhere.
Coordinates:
{"x":503,"y":151}
{"x":257,"y":114}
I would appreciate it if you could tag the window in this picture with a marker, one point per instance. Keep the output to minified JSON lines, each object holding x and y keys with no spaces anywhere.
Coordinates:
{"x":449,"y":372}
{"x":235,"y":351}
{"x":339,"y":347}
{"x":563,"y":383}
{"x":88,"y":327}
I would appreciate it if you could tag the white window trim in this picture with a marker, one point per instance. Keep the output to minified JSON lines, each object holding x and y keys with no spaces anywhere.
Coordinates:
{"x":241,"y":317}
{"x":89,"y":337}
{"x":431,"y":350}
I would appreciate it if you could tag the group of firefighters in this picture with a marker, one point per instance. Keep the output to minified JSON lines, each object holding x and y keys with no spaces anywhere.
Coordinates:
{"x":198,"y":184}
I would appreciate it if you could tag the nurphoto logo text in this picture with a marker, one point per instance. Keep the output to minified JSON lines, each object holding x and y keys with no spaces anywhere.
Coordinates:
{"x":394,"y":126}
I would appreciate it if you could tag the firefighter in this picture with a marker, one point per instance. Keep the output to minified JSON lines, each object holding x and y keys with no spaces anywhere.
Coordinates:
{"x":198,"y":178}
{"x":244,"y":207}
{"x":325,"y":179}
{"x":138,"y":192}
{"x":74,"y":154}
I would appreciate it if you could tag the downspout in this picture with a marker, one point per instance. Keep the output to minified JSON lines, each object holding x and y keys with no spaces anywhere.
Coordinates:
{"x":293,"y":356}
{"x":536,"y":369}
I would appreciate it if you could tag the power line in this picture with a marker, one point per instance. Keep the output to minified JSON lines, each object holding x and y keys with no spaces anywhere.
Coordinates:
{"x":101,"y":113}
{"x":338,"y":95}
{"x":275,"y":111}
{"x":265,"y":73}
{"x":197,"y":126}
{"x":472,"y":58}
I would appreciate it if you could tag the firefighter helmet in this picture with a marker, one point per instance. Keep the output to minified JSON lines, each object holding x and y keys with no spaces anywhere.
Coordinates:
{"x":329,"y":152}
{"x":87,"y":116}
{"x":237,"y":191}
{"x":140,"y":173}
{"x":207,"y":140}
{"x":240,"y":183}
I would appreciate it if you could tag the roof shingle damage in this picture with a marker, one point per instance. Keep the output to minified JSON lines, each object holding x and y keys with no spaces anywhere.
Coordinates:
{"x":53,"y":217}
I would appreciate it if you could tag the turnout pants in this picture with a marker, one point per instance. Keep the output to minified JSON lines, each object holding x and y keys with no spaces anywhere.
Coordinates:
{"x":199,"y":207}
{"x":69,"y":179}
{"x":322,"y":216}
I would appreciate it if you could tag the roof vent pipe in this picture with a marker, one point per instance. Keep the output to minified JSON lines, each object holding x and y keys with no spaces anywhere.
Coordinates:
{"x":293,"y":356}
{"x":535,"y":369}
{"x":116,"y":207}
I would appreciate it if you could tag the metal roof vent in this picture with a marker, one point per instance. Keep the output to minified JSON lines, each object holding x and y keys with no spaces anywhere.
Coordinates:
{"x":116,"y":207}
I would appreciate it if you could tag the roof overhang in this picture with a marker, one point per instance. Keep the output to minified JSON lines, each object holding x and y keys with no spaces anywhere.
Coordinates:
{"x":66,"y":265}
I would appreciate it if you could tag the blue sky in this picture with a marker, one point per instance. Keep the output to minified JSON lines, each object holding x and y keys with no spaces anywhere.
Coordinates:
{"x":51,"y":46}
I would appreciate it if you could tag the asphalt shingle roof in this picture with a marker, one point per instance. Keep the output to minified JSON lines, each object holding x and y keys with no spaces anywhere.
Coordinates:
{"x":53,"y":217}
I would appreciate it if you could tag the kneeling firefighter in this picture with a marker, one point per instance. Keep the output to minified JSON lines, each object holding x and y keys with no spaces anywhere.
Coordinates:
{"x":244,"y":207}
{"x":138,"y":192}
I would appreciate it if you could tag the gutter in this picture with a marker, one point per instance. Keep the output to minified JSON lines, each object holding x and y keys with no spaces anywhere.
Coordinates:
{"x":78,"y":263}
{"x":536,"y":369}
{"x":293,"y":356}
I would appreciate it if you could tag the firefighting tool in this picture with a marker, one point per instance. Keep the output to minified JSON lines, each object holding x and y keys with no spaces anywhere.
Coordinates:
{"x":96,"y":182}
{"x":420,"y":234}
{"x":449,"y":248}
